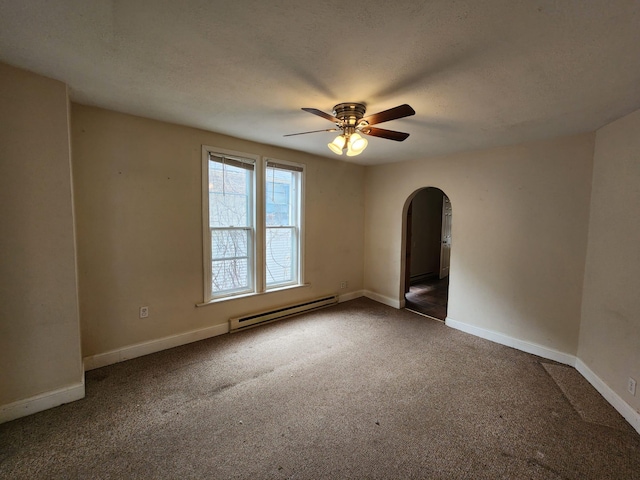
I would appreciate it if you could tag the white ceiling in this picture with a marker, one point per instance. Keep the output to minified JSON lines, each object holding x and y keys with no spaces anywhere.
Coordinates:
{"x":478,"y":73}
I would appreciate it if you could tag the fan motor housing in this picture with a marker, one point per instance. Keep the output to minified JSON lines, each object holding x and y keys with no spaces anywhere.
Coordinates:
{"x":350,"y":113}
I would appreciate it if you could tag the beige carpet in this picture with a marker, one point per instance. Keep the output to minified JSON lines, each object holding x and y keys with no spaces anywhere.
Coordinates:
{"x":586,"y":400}
{"x":359,"y":390}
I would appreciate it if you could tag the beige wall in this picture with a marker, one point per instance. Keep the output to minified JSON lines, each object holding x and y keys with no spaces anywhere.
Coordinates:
{"x":610,"y":328}
{"x":139,"y":223}
{"x":520,"y":218}
{"x":39,"y":326}
{"x":426,"y":232}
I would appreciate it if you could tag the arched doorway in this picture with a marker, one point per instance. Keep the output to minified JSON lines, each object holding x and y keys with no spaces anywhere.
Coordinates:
{"x":427,"y":253}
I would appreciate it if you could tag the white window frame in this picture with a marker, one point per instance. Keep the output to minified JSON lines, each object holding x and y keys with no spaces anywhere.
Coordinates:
{"x":209,"y":295}
{"x":298,"y":224}
{"x":257,"y":242}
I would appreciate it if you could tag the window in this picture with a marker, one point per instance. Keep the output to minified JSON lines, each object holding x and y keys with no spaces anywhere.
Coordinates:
{"x":231,"y":224}
{"x":282,"y":223}
{"x":252,"y":215}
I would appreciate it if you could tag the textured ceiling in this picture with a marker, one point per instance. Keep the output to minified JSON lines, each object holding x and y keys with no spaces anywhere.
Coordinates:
{"x":478,"y":73}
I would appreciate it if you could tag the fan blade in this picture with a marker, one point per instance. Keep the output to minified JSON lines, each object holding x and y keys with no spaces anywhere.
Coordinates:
{"x":400,"y":111}
{"x":312,"y":131}
{"x":320,"y":113}
{"x":388,"y":134}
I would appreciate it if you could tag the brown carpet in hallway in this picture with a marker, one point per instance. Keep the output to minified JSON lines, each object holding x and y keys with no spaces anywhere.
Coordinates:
{"x":359,"y":390}
{"x":429,"y":297}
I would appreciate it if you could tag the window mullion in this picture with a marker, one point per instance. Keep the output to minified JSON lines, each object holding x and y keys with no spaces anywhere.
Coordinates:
{"x":260,"y":235}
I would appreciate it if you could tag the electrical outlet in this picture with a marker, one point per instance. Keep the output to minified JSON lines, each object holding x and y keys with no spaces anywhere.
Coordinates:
{"x":631,"y":386}
{"x":343,"y":285}
{"x":144,"y":312}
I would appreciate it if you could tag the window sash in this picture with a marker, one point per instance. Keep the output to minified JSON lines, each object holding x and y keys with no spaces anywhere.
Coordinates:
{"x":281,"y":267}
{"x":292,"y":199}
{"x":232,"y":274}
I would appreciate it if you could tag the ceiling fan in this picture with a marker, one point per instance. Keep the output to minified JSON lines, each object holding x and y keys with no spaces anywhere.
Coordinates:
{"x":350,"y":120}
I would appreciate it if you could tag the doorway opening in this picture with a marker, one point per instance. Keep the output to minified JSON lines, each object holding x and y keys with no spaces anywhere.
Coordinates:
{"x":428,"y":253}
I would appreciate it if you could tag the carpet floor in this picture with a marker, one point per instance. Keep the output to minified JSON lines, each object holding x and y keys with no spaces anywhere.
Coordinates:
{"x":358,"y":390}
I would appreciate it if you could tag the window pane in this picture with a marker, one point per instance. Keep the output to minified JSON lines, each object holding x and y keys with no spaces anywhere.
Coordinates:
{"x":279,"y":197}
{"x":229,"y":275}
{"x":229,"y":243}
{"x":280,"y":255}
{"x":229,"y":195}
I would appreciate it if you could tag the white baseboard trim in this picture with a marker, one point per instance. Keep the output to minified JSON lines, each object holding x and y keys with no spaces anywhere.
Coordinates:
{"x":153,"y":346}
{"x":41,"y":402}
{"x":350,"y":296}
{"x":392,"y":302}
{"x":501,"y":338}
{"x":623,"y":408}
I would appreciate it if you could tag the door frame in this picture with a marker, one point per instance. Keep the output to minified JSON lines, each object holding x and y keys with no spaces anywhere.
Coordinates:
{"x":405,"y":269}
{"x":407,"y":247}
{"x":445,"y":236}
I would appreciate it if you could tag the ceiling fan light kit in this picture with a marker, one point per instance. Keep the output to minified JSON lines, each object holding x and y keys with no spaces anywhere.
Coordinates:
{"x":354,"y":144}
{"x":357,"y":144}
{"x":349,"y":118}
{"x":338,"y":144}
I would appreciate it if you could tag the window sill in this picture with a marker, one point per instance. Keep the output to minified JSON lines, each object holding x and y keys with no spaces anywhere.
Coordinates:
{"x":252,"y":294}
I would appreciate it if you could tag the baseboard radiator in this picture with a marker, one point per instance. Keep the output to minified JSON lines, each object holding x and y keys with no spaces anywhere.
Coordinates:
{"x":255,"y":319}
